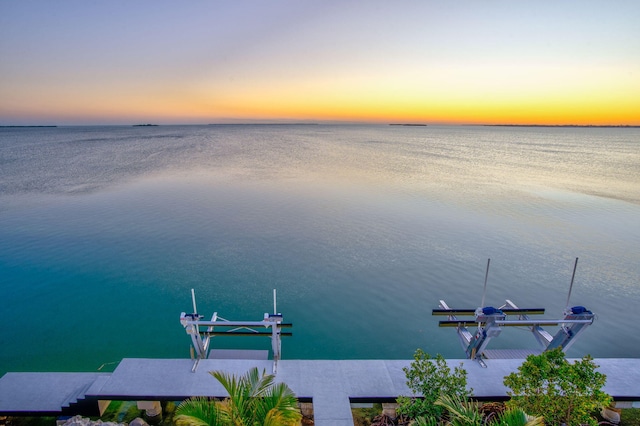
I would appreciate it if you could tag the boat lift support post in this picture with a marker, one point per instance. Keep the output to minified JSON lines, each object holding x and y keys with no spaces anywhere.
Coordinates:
{"x":202,"y":331}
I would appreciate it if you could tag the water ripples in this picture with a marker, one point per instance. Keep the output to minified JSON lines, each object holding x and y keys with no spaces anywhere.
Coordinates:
{"x":361,"y":228}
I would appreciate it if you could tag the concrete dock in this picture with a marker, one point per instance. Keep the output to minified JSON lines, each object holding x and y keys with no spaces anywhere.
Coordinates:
{"x":330,"y":384}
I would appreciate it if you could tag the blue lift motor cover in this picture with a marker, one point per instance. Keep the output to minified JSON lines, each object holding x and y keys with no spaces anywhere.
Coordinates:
{"x":576,"y":310}
{"x":490,"y":310}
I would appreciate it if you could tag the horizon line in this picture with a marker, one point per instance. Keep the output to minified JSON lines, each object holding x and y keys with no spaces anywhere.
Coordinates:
{"x":318,"y":122}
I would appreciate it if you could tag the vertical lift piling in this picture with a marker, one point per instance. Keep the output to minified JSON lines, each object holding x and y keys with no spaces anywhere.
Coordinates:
{"x":490,"y":321}
{"x":202,"y":331}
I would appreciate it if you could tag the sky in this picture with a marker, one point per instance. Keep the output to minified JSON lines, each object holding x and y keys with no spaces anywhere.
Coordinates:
{"x":81,"y":62}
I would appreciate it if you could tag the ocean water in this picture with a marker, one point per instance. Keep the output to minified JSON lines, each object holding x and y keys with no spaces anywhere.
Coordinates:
{"x":361,"y":229}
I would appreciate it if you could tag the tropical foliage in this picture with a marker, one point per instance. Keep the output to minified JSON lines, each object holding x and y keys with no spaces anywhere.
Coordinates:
{"x":431,"y":378}
{"x":516,"y":417}
{"x":467,"y":413}
{"x":254,"y":399}
{"x":548,"y":385}
{"x":460,"y":412}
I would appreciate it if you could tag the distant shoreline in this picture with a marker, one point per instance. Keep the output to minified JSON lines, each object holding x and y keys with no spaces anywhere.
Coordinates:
{"x":588,"y":126}
{"x":262,"y":124}
{"x":558,"y":125}
{"x":408,"y":124}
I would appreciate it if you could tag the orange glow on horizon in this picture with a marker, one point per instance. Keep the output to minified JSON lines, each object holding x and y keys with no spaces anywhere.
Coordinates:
{"x":365,"y":103}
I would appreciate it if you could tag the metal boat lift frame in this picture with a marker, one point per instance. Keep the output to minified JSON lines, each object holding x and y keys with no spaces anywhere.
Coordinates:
{"x":490,"y":320}
{"x":202,"y":331}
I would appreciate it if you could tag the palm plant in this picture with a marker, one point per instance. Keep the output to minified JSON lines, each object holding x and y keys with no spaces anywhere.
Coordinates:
{"x":462,"y":412}
{"x":424,"y":421}
{"x":517,"y":417}
{"x":198,"y":411}
{"x":253,"y":400}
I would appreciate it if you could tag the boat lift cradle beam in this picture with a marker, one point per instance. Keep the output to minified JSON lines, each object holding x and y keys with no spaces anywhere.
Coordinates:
{"x":201,"y":331}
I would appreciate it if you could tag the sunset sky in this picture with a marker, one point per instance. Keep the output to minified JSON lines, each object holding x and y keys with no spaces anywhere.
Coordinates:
{"x":451,"y":62}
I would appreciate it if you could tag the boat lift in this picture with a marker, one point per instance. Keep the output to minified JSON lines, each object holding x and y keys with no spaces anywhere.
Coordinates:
{"x":202,"y":331}
{"x":490,"y":321}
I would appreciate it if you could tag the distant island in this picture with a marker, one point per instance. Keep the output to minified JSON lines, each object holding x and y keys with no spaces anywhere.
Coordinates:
{"x":408,"y":124}
{"x":144,"y":125}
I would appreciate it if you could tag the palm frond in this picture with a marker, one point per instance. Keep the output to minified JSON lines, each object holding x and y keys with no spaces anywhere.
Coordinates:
{"x":425,"y":421}
{"x":255,"y":399}
{"x":278,"y":402}
{"x":229,"y":381}
{"x":534,"y":421}
{"x":198,"y":411}
{"x":517,"y":417}
{"x":238,"y":405}
{"x":462,"y":413}
{"x":258,"y":383}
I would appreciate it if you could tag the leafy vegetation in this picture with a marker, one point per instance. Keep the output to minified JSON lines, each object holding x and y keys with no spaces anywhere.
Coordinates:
{"x":432,"y":378}
{"x":630,"y":417}
{"x":460,"y":412}
{"x":548,"y":385}
{"x":121,"y":412}
{"x":364,"y":416}
{"x":468,"y":413}
{"x":253,"y":400}
{"x":516,"y":417}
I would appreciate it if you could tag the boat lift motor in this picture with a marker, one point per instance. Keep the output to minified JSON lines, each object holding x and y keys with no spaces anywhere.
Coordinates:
{"x":202,"y":331}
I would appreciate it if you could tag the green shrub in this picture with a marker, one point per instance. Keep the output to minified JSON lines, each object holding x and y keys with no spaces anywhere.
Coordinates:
{"x":432,"y":378}
{"x":548,"y":385}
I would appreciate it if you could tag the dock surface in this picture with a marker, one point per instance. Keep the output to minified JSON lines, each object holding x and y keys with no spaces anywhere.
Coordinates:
{"x":330,"y":384}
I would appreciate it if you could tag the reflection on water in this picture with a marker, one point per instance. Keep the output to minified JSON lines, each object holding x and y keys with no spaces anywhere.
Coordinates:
{"x":362,"y":229}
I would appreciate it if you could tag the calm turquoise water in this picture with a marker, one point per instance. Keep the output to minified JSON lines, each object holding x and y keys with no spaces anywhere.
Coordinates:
{"x":362,"y":229}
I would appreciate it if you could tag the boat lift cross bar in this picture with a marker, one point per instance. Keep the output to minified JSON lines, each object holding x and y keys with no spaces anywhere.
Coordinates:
{"x":242,"y":333}
{"x":448,"y":312}
{"x":515,"y":323}
{"x":202,"y":331}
